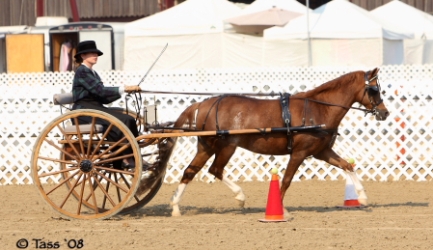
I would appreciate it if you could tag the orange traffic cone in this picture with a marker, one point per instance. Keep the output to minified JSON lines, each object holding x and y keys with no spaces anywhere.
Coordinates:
{"x":274,"y":208}
{"x":350,"y":196}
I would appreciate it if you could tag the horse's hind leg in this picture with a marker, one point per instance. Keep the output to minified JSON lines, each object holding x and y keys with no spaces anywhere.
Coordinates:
{"x":203,"y":154}
{"x":222,"y":157}
{"x":332,"y":158}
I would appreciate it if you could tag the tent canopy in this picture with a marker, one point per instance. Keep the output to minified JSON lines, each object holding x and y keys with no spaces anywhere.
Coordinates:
{"x":406,"y":17}
{"x":271,"y":17}
{"x":338,"y":19}
{"x":189,"y":17}
{"x":256,"y":22}
{"x":260,"y":5}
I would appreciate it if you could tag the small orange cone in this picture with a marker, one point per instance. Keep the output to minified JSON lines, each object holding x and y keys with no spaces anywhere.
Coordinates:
{"x":274,"y":208}
{"x":350,"y":196}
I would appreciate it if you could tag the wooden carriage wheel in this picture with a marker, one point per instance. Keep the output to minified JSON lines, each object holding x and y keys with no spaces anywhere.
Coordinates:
{"x":88,"y":181}
{"x":152,"y":184}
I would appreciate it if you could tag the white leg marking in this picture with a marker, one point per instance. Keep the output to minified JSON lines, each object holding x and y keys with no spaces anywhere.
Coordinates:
{"x":240,"y":197}
{"x":175,"y":199}
{"x":362,"y":196}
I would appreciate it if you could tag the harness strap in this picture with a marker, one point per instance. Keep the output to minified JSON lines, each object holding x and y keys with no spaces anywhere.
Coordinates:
{"x":285,"y":103}
{"x":208,"y":112}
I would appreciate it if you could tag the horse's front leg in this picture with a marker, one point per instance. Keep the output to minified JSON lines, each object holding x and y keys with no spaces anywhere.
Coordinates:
{"x":240,"y":196}
{"x":193,"y":168}
{"x":296,"y":158}
{"x":332,"y":158}
{"x":222,"y":157}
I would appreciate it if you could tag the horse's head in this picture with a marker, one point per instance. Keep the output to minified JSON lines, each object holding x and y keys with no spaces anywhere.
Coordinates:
{"x":372,"y":98}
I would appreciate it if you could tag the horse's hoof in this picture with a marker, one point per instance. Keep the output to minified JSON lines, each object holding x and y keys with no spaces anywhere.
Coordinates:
{"x":241,"y":204}
{"x":176,"y":210}
{"x":363,"y":202}
{"x":175,"y":214}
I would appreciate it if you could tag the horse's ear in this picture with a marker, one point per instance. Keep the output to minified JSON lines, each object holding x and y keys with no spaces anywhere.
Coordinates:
{"x":374,"y":72}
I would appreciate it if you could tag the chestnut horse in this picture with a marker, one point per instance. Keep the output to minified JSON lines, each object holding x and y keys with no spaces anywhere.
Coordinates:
{"x":327,"y":104}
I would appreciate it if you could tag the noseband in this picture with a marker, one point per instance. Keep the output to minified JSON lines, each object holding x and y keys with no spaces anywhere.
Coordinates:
{"x":372,"y":90}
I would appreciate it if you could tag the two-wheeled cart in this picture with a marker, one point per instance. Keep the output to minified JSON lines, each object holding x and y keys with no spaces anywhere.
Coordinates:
{"x":78,"y":171}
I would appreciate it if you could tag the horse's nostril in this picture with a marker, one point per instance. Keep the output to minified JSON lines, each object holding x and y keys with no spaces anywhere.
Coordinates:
{"x":386,"y":114}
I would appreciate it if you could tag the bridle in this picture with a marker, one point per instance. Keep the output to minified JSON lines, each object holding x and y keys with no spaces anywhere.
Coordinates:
{"x":371,"y":91}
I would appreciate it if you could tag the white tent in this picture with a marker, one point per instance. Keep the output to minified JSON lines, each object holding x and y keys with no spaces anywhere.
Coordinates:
{"x":253,"y":51}
{"x":418,"y":50}
{"x":192,"y":29}
{"x":341,"y":33}
{"x":260,"y":5}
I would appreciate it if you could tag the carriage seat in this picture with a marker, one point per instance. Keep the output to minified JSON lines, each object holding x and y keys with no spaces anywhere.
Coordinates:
{"x":61,"y":99}
{"x":66,"y":98}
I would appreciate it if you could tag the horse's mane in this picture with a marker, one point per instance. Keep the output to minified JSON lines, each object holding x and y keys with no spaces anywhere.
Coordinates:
{"x":332,"y":85}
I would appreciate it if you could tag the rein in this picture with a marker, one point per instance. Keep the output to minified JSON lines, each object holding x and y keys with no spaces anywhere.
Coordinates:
{"x":272,"y":94}
{"x":333,"y":104}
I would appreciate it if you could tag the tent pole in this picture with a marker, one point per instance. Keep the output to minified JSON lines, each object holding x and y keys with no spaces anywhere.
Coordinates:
{"x":39,"y":8}
{"x":74,"y":10}
{"x":308,"y":34}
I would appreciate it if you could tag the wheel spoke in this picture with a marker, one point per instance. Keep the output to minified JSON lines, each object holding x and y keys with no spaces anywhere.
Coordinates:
{"x":106,"y":189}
{"x":129,"y":186}
{"x":102,"y":140}
{"x":106,"y":194}
{"x":50,"y":142}
{"x":80,"y":198}
{"x":56,"y":160}
{"x":70,"y":190}
{"x":92,"y":194}
{"x":113,"y":146}
{"x":79,"y":136}
{"x":62,"y":182}
{"x":114,"y":170}
{"x":114,"y":183}
{"x":109,"y":160}
{"x":89,"y":145}
{"x":67,"y":138}
{"x":119,"y":196}
{"x":93,"y":187}
{"x":58,"y":172}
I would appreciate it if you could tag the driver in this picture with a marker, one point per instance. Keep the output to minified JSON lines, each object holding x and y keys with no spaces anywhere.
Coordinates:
{"x":89,"y":92}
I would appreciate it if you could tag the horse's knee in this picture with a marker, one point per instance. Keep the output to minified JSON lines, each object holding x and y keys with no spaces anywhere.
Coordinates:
{"x":189,"y":173}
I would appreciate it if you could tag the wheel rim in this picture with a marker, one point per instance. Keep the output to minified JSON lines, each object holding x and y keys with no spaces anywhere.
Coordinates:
{"x":86,"y":181}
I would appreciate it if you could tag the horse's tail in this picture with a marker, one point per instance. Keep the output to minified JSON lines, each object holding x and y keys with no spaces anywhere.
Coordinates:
{"x":187,"y":117}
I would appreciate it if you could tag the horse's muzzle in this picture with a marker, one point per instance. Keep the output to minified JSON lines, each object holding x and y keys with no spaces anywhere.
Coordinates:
{"x":381,"y":114}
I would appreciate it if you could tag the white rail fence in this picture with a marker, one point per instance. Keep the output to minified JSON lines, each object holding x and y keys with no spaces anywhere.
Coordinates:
{"x":399,"y":148}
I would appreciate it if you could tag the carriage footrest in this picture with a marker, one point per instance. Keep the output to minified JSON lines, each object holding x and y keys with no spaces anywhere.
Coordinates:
{"x":84,"y":129}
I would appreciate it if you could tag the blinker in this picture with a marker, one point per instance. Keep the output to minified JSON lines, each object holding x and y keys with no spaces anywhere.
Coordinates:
{"x":373,"y":88}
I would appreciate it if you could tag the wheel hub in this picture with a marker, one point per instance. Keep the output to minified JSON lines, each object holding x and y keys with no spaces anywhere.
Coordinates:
{"x":86,"y":166}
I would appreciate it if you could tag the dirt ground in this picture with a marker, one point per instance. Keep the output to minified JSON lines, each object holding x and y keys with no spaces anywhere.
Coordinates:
{"x":400,"y":216}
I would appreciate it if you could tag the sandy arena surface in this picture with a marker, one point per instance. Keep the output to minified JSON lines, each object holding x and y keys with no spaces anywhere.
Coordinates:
{"x":400,"y":216}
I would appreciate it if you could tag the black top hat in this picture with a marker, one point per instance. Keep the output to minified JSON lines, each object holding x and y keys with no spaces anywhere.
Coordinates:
{"x":87,"y":47}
